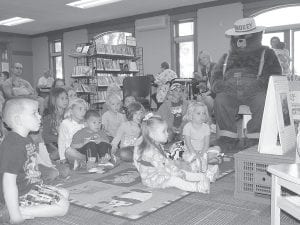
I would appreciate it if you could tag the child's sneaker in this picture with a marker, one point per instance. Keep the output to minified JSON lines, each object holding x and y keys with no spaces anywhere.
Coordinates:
{"x":92,"y":167}
{"x":76,"y":164}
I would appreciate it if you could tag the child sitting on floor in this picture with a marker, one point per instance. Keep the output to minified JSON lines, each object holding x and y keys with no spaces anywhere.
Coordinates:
{"x":127,"y":101}
{"x":91,"y":142}
{"x":21,"y":189}
{"x":155,"y":168}
{"x":197,"y":136}
{"x":112,"y":119}
{"x":172,"y":111}
{"x":129,"y":131}
{"x":57,"y":105}
{"x":73,"y":122}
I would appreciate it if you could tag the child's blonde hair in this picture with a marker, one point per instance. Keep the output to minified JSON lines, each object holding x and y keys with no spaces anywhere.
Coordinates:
{"x":112,"y":96}
{"x":191,"y":108}
{"x":148,"y":123}
{"x":14,"y":106}
{"x":72,"y":103}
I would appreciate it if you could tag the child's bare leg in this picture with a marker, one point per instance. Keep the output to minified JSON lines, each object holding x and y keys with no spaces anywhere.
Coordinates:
{"x":72,"y":155}
{"x":188,"y":185}
{"x":59,"y":209}
{"x":190,"y":176}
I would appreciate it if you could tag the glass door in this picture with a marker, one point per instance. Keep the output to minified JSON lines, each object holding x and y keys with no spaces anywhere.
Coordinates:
{"x":296,"y":53}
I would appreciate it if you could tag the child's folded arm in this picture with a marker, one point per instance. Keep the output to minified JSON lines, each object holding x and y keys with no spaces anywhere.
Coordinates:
{"x":10,"y":192}
{"x":77,"y":145}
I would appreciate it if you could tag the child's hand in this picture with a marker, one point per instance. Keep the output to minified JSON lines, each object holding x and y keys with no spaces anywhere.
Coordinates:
{"x":181,"y":174}
{"x":62,"y":161}
{"x":113,"y":150}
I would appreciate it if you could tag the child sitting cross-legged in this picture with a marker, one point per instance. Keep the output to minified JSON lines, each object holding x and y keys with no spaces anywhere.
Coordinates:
{"x":91,"y":142}
{"x":197,"y":136}
{"x":112,"y":119}
{"x":73,"y":122}
{"x":155,"y":168}
{"x":129,"y":131}
{"x":22,"y":194}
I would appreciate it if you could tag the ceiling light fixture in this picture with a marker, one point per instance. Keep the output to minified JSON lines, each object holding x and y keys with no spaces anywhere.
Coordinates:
{"x":84,"y":4}
{"x":15,"y":21}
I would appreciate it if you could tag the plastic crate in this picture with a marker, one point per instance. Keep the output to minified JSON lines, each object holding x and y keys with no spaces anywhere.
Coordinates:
{"x":252,"y":182}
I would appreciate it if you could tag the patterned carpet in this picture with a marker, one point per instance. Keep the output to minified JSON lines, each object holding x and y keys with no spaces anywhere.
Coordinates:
{"x":219,"y":207}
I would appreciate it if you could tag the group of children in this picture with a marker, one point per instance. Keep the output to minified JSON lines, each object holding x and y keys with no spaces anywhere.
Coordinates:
{"x":81,"y":137}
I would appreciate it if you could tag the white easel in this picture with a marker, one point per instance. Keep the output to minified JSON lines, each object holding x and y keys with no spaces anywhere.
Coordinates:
{"x":277,"y":135}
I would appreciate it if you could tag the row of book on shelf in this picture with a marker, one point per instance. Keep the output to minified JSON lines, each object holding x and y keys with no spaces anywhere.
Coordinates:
{"x":82,"y":87}
{"x":107,"y":79}
{"x":114,"y":65}
{"x":100,"y":97}
{"x":82,"y":71}
{"x":114,"y":49}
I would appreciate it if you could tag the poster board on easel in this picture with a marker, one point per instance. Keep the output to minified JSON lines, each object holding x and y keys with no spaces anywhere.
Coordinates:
{"x":295,"y":102}
{"x":277,"y":135}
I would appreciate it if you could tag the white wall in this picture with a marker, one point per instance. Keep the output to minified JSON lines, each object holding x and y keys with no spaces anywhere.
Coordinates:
{"x":212,"y":24}
{"x":70,"y":39}
{"x":156,"y":45}
{"x":40,"y":52}
{"x":21,"y":51}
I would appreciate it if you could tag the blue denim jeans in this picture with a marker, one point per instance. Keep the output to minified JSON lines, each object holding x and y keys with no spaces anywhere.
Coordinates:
{"x":246,"y":90}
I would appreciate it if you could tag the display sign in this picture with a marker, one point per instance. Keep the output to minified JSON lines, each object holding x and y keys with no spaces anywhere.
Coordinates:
{"x":131,"y":41}
{"x":295,"y":99}
{"x":277,"y":135}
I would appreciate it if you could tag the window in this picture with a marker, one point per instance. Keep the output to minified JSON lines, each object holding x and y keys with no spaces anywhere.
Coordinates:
{"x":284,"y":23}
{"x":184,"y":41}
{"x":56,"y":59}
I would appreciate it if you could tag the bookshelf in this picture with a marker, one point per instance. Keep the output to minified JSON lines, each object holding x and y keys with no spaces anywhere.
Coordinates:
{"x":104,"y":64}
{"x":83,"y":72}
{"x":4,"y":57}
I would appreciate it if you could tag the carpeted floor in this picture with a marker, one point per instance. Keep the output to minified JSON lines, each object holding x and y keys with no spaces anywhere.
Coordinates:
{"x":219,"y":207}
{"x":122,"y":194}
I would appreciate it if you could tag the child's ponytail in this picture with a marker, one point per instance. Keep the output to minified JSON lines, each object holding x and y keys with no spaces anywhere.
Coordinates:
{"x":149,"y":121}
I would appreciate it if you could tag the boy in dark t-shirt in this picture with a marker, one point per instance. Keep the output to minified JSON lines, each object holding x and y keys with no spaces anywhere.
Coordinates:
{"x":22,"y":191}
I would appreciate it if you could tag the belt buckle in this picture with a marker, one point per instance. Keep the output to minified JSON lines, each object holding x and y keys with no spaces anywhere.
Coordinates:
{"x":237,"y":75}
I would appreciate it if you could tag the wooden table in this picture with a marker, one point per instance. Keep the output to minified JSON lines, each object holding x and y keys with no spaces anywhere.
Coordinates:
{"x":287,"y":176}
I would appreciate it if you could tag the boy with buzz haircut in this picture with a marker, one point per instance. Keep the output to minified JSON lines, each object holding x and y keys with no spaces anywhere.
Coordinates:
{"x":22,"y":194}
{"x":93,"y":142}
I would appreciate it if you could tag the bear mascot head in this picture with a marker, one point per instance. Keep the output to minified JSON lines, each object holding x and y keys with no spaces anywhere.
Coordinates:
{"x":245,"y":45}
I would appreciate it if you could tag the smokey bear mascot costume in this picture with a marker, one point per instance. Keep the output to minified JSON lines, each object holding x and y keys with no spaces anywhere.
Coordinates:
{"x":241,"y":78}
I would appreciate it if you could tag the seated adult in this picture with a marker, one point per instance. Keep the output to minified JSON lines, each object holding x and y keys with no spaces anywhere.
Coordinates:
{"x":17,"y":86}
{"x":241,"y":78}
{"x":44,"y":84}
{"x":163,"y":80}
{"x":206,"y":67}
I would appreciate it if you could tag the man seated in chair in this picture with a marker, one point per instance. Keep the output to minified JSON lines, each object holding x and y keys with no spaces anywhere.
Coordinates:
{"x":241,"y":78}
